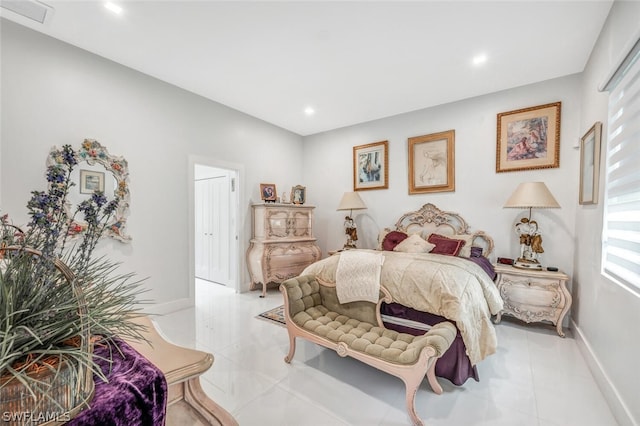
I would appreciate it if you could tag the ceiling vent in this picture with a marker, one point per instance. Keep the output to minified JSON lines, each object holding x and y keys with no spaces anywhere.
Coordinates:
{"x":31,"y":9}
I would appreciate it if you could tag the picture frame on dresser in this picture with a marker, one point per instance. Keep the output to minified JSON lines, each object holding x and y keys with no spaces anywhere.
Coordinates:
{"x":528,"y":138}
{"x":371,"y":166}
{"x":590,"y":164}
{"x":432,"y":163}
{"x":298,"y":194}
{"x":268,"y":192}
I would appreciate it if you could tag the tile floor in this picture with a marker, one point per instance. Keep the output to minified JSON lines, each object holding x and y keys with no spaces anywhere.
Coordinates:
{"x":536,"y":378}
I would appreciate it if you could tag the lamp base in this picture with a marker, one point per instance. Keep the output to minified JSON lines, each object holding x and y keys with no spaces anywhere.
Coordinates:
{"x":527,"y":264}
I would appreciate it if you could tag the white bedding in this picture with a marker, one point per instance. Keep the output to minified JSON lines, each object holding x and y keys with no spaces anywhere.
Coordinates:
{"x":449,"y":286}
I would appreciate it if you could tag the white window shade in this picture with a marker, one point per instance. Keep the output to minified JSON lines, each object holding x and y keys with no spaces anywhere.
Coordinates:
{"x":621,"y":239}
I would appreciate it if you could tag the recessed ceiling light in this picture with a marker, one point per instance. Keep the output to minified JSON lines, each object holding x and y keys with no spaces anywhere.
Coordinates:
{"x":113,"y":7}
{"x":309,"y":111}
{"x":479,"y":59}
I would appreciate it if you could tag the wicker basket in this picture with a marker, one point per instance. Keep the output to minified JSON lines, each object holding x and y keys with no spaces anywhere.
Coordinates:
{"x":69,"y":386}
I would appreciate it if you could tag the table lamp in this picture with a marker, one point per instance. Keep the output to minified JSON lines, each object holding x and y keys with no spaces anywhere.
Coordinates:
{"x":351,"y":201}
{"x":529,"y":195}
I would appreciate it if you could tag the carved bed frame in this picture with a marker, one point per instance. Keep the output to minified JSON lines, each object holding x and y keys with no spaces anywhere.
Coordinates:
{"x":429,"y":219}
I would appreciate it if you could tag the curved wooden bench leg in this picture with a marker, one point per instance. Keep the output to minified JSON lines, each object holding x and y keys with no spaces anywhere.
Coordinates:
{"x":431,"y":377}
{"x":292,"y":349}
{"x":411,"y":387}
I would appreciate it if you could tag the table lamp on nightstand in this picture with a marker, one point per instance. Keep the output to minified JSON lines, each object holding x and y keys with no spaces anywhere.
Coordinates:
{"x":351,"y":201}
{"x":530,"y":195}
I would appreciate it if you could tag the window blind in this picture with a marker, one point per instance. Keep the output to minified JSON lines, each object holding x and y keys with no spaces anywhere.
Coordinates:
{"x":621,"y":233}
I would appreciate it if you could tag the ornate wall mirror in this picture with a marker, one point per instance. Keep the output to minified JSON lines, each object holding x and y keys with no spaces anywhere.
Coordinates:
{"x":98,"y":170}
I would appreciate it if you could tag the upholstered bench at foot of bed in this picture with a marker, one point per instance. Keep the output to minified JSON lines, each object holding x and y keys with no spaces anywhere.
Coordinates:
{"x":354,"y":329}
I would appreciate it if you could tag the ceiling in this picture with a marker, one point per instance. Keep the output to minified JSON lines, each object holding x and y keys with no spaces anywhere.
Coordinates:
{"x":351,"y":62}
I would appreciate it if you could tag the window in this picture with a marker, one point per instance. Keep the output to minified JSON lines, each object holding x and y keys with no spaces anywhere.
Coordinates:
{"x":621,"y":234}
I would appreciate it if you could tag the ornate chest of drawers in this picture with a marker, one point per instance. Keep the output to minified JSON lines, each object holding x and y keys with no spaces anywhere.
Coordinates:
{"x":282,"y":244}
{"x":533,"y":296}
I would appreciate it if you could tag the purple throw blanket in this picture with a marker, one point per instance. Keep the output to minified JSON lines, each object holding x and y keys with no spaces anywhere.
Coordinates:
{"x":136,"y":393}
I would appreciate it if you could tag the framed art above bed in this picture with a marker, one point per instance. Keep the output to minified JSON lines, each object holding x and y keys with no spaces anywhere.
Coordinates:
{"x":528,"y":138}
{"x":432,"y":163}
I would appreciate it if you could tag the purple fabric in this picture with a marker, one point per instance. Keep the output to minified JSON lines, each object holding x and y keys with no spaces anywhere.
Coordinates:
{"x":454,"y":365}
{"x":136,"y":393}
{"x":485,"y":264}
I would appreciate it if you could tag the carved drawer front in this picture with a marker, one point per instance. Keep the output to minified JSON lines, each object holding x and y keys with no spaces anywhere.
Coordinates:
{"x":284,"y":261}
{"x":300,"y":224}
{"x":539,"y":292}
{"x":277,"y":223}
{"x":532,"y":300}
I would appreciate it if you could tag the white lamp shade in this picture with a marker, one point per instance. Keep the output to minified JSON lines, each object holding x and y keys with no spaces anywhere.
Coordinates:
{"x":532,"y":194}
{"x":351,"y":201}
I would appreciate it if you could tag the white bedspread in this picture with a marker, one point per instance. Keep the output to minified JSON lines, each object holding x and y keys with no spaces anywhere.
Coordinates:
{"x":449,"y":286}
{"x":358,"y":276}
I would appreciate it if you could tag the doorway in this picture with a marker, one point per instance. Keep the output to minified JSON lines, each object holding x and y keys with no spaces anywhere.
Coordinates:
{"x":215,"y":201}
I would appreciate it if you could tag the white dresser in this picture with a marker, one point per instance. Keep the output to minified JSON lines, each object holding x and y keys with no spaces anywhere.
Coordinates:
{"x":533,"y":296}
{"x":282,"y":243}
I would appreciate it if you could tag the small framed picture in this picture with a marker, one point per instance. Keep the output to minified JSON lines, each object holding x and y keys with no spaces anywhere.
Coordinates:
{"x":268,"y":192}
{"x":432,"y":163}
{"x":298,"y":194}
{"x":590,"y":164}
{"x":529,"y":139}
{"x":371,"y":166}
{"x":91,"y":181}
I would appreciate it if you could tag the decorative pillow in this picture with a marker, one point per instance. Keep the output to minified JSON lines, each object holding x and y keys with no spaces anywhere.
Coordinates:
{"x":476,"y":251}
{"x":392,"y":239}
{"x":445,"y":245}
{"x":414,"y":244}
{"x":465,"y":251}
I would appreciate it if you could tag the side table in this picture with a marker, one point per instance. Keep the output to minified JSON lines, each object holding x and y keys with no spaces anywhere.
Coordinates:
{"x":533,"y":296}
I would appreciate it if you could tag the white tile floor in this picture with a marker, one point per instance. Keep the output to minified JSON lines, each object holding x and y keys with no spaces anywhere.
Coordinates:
{"x":536,"y":378}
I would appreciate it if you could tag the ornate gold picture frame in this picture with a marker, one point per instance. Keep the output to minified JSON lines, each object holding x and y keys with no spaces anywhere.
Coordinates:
{"x":432,"y":163}
{"x":590,"y":164}
{"x":529,"y":138}
{"x":371,"y":166}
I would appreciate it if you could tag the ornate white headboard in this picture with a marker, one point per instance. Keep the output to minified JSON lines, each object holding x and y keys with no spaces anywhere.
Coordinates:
{"x":430,"y":219}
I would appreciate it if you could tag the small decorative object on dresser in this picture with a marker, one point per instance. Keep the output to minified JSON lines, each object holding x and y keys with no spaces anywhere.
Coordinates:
{"x":282,"y":244}
{"x":533,"y":296}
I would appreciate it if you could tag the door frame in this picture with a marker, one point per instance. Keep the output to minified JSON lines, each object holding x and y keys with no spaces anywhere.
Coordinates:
{"x":235,"y":252}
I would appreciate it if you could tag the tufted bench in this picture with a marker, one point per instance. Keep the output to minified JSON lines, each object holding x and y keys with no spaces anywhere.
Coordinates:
{"x":313,"y":312}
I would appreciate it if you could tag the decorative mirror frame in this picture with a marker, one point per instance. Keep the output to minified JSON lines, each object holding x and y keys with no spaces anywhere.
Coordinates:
{"x":93,"y":153}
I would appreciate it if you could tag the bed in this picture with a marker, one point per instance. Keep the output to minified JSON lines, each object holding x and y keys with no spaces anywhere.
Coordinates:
{"x":436,"y":269}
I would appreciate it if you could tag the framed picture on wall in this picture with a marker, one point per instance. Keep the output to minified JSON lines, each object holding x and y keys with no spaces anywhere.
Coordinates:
{"x":91,"y":181}
{"x":432,"y":163}
{"x":528,"y":138}
{"x":371,"y":166}
{"x":590,"y":164}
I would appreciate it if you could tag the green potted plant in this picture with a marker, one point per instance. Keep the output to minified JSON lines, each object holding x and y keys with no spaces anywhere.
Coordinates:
{"x":57,"y":299}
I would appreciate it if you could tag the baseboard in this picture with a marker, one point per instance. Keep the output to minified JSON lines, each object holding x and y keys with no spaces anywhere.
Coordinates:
{"x":169,"y":307}
{"x":609,"y":391}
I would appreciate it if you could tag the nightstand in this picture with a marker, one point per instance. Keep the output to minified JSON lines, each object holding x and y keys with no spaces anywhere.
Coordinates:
{"x":533,"y":296}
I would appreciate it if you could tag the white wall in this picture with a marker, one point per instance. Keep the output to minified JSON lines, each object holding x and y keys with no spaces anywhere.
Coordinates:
{"x":606,"y":315}
{"x":55,"y":94}
{"x":480,"y":192}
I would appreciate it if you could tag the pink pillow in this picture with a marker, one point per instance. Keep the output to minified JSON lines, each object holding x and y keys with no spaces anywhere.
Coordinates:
{"x":392,"y":239}
{"x":445,"y":245}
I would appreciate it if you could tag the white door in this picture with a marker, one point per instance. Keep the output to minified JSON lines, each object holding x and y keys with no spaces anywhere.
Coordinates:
{"x":213,"y":226}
